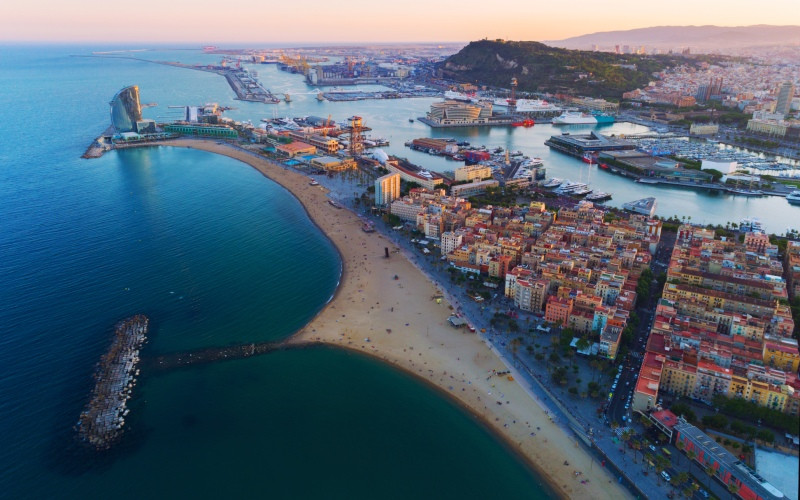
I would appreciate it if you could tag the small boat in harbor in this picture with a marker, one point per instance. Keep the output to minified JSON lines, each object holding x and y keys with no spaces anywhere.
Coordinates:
{"x":570,"y":187}
{"x":410,"y":120}
{"x":746,"y":192}
{"x":794,"y":197}
{"x":599,"y":196}
{"x":553,"y":183}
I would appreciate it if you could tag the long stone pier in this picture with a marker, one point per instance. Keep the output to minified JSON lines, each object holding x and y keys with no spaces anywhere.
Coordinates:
{"x":187,"y":358}
{"x":101,"y":422}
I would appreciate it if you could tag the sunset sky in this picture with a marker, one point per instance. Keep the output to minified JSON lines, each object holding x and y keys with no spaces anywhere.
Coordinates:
{"x":216,"y":21}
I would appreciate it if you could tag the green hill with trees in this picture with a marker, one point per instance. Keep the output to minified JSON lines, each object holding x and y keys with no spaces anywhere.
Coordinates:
{"x":541,"y":68}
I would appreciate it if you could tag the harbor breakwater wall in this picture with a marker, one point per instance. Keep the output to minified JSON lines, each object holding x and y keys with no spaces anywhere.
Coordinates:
{"x":101,"y":422}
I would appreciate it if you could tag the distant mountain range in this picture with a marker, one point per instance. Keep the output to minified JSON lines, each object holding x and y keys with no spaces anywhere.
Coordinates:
{"x":700,"y":37}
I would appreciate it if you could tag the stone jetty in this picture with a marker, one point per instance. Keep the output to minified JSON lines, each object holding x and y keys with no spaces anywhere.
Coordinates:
{"x":101,"y":422}
{"x":168,"y":362}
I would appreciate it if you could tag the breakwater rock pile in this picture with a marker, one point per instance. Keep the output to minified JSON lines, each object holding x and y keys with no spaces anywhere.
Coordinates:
{"x":101,"y":422}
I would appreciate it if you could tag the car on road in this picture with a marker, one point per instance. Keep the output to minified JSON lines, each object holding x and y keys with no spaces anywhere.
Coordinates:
{"x":665,"y":476}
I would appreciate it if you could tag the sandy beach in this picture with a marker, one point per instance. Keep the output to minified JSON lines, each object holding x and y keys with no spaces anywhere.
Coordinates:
{"x":398,"y":320}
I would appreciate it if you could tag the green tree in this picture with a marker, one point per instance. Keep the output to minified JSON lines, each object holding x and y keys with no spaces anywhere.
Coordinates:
{"x":583,"y":343}
{"x":766,"y":436}
{"x":681,"y":478}
{"x":626,"y":436}
{"x":637,"y":444}
{"x":661,"y":464}
{"x":646,"y":422}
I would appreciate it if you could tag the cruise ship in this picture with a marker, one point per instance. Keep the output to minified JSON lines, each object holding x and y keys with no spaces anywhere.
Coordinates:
{"x":794,"y":197}
{"x":458,"y":96}
{"x":531,"y":106}
{"x":574,"y":118}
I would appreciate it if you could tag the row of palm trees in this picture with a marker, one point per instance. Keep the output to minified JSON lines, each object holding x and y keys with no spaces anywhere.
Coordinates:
{"x":710,"y":471}
{"x":660,"y":463}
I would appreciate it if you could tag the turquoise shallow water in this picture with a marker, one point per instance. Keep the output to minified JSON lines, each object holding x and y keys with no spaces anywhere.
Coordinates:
{"x":215,"y":254}
{"x":310,"y":423}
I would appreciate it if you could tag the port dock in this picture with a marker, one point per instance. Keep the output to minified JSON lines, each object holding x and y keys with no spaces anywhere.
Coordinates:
{"x":494,"y":122}
{"x":243,"y":83}
{"x":101,"y":423}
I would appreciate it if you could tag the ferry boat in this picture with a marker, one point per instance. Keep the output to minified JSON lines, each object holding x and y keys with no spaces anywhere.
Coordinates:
{"x":589,"y":158}
{"x":574,"y":118}
{"x":553,"y":183}
{"x":523,"y":123}
{"x":794,"y":197}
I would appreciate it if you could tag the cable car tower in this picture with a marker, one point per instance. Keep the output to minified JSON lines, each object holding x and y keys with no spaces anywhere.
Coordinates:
{"x":356,"y":135}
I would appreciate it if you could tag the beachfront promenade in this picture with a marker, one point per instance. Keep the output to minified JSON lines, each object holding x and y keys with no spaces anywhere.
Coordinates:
{"x":398,"y":321}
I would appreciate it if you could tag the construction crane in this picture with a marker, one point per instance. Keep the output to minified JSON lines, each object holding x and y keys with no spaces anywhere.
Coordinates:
{"x":299,"y":63}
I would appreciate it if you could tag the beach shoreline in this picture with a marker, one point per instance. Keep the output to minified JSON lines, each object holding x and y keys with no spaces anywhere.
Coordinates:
{"x":385,"y":308}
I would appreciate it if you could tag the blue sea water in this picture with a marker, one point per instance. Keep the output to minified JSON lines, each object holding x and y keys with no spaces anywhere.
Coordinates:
{"x":215,"y":254}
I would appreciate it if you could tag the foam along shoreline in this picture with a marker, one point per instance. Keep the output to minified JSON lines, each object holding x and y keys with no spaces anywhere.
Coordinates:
{"x":397,"y":321}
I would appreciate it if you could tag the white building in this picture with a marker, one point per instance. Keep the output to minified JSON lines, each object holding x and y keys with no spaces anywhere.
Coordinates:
{"x":450,"y":241}
{"x":406,"y":210}
{"x":726,"y":167}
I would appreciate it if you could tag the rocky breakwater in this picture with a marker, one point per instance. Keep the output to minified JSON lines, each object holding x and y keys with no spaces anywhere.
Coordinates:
{"x":101,"y":422}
